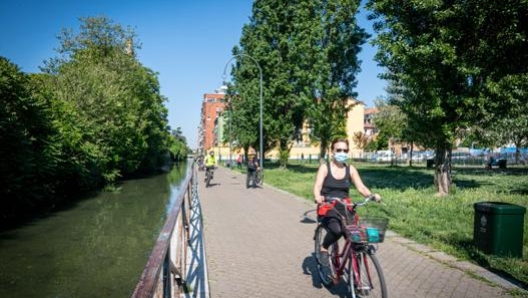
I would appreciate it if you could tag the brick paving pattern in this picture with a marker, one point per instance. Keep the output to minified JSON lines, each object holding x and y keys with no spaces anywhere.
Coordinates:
{"x":259,"y":243}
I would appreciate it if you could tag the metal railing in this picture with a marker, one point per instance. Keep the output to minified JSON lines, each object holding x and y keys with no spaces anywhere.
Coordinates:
{"x":166,"y":269}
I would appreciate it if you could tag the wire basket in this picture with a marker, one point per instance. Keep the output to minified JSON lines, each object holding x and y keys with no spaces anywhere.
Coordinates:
{"x":369,"y":229}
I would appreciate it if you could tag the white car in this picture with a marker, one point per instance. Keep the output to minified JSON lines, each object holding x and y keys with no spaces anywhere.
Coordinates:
{"x":383,"y":156}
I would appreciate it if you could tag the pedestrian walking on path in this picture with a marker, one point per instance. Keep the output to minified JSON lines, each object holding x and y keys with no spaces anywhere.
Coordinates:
{"x":260,"y":244}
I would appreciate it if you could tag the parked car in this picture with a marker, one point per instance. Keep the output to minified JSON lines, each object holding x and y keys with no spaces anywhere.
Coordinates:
{"x":461,"y":156}
{"x":419,"y":156}
{"x":384,"y":155}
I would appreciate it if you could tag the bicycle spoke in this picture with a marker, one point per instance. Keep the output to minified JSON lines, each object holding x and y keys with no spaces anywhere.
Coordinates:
{"x":368,"y":280}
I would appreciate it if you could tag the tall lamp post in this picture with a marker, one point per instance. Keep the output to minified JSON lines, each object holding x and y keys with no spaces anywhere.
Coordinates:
{"x":261,"y":144}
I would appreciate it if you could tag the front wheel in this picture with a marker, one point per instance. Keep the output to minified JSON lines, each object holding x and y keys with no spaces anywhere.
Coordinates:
{"x":366,"y":277}
{"x":259,"y":178}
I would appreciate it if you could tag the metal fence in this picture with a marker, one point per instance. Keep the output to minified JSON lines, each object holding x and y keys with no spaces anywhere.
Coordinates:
{"x":166,"y":269}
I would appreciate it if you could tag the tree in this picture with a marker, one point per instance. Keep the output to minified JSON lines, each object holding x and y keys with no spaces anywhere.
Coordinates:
{"x":390,"y":121}
{"x":327,"y":63}
{"x":269,"y":39}
{"x":28,"y":159}
{"x":243,"y":116}
{"x":120,"y":124}
{"x":513,"y":127}
{"x":445,"y":54}
{"x":360,"y":139}
{"x":308,"y":53}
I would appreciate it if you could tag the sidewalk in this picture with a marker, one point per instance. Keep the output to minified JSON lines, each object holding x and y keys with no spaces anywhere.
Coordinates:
{"x":258,"y":243}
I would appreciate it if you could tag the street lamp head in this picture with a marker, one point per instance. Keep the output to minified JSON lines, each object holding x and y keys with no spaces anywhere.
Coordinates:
{"x":223,"y":89}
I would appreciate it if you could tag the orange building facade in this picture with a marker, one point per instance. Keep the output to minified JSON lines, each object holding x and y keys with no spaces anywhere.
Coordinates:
{"x":359,"y":119}
{"x":212,"y":106}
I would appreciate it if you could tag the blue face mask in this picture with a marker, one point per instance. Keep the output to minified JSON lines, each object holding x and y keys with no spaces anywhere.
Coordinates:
{"x":341,"y":157}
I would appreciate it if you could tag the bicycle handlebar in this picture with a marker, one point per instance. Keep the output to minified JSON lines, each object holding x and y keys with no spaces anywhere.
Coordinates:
{"x":353,"y":205}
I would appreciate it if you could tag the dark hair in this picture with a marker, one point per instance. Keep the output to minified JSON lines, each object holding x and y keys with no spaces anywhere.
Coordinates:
{"x":338,"y":140}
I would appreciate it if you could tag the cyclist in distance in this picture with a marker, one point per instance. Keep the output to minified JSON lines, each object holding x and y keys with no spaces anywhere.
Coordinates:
{"x":333,"y":180}
{"x":252,"y":168}
{"x":210,"y":162}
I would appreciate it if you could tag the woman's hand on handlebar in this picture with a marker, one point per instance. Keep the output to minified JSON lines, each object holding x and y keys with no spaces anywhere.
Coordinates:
{"x":319,"y":200}
{"x":374,"y":197}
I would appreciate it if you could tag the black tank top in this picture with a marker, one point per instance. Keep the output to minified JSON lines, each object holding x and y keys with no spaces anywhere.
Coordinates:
{"x":336,"y":188}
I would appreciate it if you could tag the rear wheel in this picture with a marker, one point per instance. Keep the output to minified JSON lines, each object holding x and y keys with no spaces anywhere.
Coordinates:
{"x":367,"y":280}
{"x":248,"y":179}
{"x":207,"y":177}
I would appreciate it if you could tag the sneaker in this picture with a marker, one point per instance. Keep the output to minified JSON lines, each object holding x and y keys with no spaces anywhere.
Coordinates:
{"x":323,"y":258}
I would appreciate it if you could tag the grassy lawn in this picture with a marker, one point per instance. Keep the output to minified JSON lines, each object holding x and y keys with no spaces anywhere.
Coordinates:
{"x":408,"y":200}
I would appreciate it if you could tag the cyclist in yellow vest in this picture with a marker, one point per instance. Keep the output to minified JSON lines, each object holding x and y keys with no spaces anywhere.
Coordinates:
{"x":210,"y":162}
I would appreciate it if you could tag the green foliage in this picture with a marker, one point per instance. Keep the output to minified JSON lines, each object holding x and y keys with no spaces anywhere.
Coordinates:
{"x":116,"y":100}
{"x":178,"y":145}
{"x":95,"y":115}
{"x":329,"y":41}
{"x":446,"y":56}
{"x":308,"y":54}
{"x":28,"y":158}
{"x":512,"y":128}
{"x":244,"y":116}
{"x":390,"y":120}
{"x":373,"y":145}
{"x":268,"y":39}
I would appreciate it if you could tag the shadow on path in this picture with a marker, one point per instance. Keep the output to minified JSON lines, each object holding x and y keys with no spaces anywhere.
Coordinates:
{"x":196,"y":280}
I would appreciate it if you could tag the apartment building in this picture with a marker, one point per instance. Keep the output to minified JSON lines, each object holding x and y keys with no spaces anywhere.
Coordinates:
{"x":212,"y":106}
{"x":211,"y":130}
{"x":368,"y":124}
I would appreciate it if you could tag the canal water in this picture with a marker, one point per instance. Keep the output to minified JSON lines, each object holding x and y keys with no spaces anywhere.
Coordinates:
{"x":96,"y":248}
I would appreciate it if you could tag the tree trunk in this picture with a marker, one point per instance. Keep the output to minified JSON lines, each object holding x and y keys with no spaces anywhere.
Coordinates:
{"x":284,"y":154}
{"x":322,"y":151}
{"x":411,"y":154}
{"x":391,"y":149}
{"x":517,"y":152}
{"x":442,"y":177}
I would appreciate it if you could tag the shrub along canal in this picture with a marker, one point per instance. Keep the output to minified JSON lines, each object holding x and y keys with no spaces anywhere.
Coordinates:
{"x":97,"y":247}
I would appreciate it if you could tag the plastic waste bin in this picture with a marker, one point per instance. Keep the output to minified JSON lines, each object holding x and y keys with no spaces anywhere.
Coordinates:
{"x":498,"y":228}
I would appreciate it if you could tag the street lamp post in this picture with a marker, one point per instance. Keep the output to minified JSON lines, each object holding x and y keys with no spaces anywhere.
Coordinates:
{"x":229,"y":139}
{"x":261,"y":143}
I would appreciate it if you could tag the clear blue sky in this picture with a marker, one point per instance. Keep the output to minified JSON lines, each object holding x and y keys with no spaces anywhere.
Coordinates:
{"x":187,"y":42}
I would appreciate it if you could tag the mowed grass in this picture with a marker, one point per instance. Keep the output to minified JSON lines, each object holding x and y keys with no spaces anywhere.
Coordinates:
{"x":415,"y":212}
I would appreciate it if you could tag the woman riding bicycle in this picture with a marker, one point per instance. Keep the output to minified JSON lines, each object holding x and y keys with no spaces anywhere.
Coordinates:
{"x":333,"y":181}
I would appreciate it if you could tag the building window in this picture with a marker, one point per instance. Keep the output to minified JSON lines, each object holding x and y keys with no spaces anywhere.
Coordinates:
{"x":211,"y":99}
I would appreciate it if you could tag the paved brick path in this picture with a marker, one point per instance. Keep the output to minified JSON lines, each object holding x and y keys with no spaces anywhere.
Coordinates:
{"x":258,"y":243}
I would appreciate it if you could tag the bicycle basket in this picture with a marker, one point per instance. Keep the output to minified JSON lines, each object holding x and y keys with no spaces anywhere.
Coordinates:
{"x":369,"y":229}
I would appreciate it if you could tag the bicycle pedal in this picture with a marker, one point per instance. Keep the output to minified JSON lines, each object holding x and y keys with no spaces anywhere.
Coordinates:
{"x":335,"y":280}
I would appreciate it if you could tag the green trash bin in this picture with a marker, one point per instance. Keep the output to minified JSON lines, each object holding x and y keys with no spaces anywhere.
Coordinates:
{"x":498,"y":228}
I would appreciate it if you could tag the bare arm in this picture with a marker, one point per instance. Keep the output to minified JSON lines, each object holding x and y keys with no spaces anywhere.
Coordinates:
{"x":318,"y":185}
{"x":360,"y":186}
